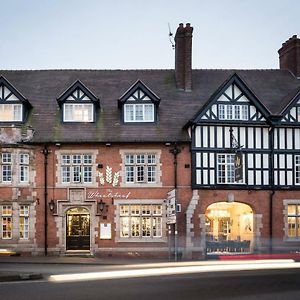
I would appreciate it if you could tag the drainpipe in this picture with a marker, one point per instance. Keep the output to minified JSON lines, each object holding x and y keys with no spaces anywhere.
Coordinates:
{"x":175,"y":151}
{"x":45,"y":151}
{"x":271,"y":175}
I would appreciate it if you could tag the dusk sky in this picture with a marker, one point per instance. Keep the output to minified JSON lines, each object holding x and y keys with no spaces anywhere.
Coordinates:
{"x":132,"y":34}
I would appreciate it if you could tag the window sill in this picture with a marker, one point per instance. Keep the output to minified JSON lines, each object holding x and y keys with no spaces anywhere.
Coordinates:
{"x":141,"y":240}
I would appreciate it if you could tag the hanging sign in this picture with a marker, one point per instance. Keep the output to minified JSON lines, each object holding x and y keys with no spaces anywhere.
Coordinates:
{"x":238,"y":166}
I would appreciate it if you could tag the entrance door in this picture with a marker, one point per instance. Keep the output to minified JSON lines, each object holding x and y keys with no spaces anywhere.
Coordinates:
{"x":78,"y":229}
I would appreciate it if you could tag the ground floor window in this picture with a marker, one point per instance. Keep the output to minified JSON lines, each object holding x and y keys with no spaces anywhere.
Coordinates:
{"x":24,"y":222}
{"x":140,"y":221}
{"x":229,"y":227}
{"x":6,"y":221}
{"x":293,"y":221}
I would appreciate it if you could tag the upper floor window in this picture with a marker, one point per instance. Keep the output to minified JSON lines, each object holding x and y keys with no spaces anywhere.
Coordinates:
{"x":141,"y":168}
{"x":297,"y":169}
{"x":139,"y":104}
{"x":6,"y":167}
{"x":233,"y":112}
{"x":78,"y":112}
{"x":78,"y":104}
{"x":139,"y":112}
{"x":24,"y":167}
{"x":76,"y":168}
{"x":13,"y":106}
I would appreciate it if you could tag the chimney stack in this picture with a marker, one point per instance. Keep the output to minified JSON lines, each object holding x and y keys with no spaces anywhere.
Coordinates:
{"x":289,"y":56}
{"x":183,"y":57}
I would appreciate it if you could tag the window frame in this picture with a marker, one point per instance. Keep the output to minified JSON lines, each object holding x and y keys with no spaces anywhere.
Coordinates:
{"x":233,"y":112}
{"x":91,"y":114}
{"x":133,"y":112}
{"x":12,"y":112}
{"x":5,"y":216}
{"x":141,"y":223}
{"x":6,"y":165}
{"x":24,"y":226}
{"x":287,"y":215}
{"x":297,"y":169}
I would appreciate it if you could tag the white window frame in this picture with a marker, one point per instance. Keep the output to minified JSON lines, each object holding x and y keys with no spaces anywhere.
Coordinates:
{"x":297,"y":169}
{"x":227,"y":167}
{"x":141,"y":168}
{"x":7,"y":213}
{"x":234,"y":112}
{"x":24,"y":167}
{"x":72,"y":163}
{"x":15,"y":111}
{"x":144,"y":221}
{"x":77,"y":118}
{"x":131,"y":112}
{"x":24,"y":222}
{"x":6,"y":167}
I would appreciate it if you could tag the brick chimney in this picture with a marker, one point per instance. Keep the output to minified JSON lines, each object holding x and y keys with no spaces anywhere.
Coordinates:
{"x":183,"y":57}
{"x":289,"y":56}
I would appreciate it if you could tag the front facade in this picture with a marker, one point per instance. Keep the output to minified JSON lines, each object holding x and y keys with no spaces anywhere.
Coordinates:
{"x":91,"y":161}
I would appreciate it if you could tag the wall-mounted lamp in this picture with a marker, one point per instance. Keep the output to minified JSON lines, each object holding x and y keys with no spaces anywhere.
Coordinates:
{"x":51,"y":205}
{"x":108,"y":144}
{"x":101,"y":207}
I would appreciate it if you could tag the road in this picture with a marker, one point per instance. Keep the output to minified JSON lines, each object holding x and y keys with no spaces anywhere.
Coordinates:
{"x":246,"y":284}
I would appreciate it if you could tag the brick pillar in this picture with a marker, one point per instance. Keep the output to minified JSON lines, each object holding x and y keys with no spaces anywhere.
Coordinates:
{"x":289,"y":56}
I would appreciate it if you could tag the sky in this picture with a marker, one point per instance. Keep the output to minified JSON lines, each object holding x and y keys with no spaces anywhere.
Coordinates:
{"x":134,"y":34}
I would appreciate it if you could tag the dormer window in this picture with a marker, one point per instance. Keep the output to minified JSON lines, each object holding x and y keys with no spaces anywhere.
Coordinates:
{"x":78,"y":104}
{"x":13,"y":106}
{"x":139,"y":104}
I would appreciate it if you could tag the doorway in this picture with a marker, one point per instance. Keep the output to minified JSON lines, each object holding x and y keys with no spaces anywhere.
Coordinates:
{"x":78,"y":229}
{"x":229,"y":227}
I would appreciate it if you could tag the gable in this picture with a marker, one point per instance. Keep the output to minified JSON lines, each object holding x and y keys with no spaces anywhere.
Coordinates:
{"x":292,"y":112}
{"x":78,"y":93}
{"x":232,"y":102}
{"x":139,"y":92}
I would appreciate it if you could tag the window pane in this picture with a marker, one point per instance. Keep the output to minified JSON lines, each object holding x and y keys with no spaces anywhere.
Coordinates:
{"x":135,"y":227}
{"x":291,"y":226}
{"x":221,"y":111}
{"x":149,"y":112}
{"x":140,"y":174}
{"x":146,"y":209}
{"x":146,"y":225}
{"x":124,"y":210}
{"x":151,"y":174}
{"x":87,"y":174}
{"x":157,"y":227}
{"x":129,"y":174}
{"x":124,"y":227}
{"x":76,"y":173}
{"x":66,"y":174}
{"x":292,"y":209}
{"x":135,"y":210}
{"x":139,"y":112}
{"x":129,"y":112}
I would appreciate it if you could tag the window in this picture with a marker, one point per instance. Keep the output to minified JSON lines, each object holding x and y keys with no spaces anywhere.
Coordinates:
{"x":76,"y":168}
{"x":297,"y":169}
{"x":233,"y":112}
{"x":11,"y":112}
{"x":76,"y":112}
{"x":24,"y":167}
{"x":140,"y":221}
{"x":24,"y":222}
{"x":226,"y":168}
{"x":293,"y":221}
{"x":140,"y":168}
{"x":6,"y":221}
{"x":6,"y":167}
{"x":298,"y":113}
{"x":139,"y":112}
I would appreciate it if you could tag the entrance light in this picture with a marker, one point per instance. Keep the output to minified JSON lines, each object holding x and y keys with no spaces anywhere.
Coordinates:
{"x":101,"y":206}
{"x":52,"y":205}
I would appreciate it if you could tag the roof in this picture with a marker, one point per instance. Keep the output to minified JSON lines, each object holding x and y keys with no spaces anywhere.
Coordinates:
{"x":43,"y":87}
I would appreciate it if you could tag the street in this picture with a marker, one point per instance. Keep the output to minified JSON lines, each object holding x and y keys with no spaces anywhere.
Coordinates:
{"x":264,"y":283}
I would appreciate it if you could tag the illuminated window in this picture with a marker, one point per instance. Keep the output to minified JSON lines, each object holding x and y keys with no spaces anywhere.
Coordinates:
{"x":11,"y":112}
{"x":140,"y":221}
{"x":76,"y":168}
{"x":293,"y":221}
{"x":6,"y":221}
{"x":78,"y":112}
{"x":139,"y":112}
{"x":24,"y":222}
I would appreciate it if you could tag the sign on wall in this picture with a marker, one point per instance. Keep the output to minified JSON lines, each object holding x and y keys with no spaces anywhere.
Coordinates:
{"x":171,"y":208}
{"x":238,"y":166}
{"x":105,"y":231}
